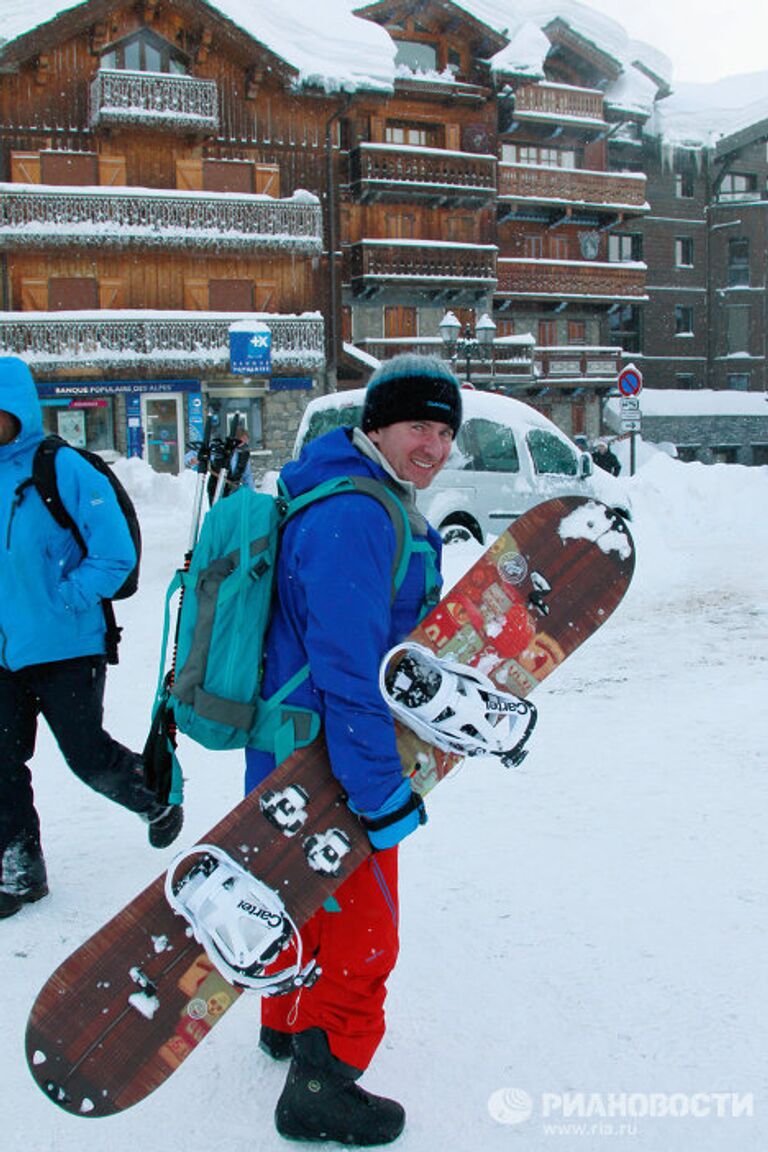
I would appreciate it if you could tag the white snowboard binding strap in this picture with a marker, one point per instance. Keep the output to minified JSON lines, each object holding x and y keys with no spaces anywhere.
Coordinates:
{"x":453,"y":706}
{"x":241,"y":922}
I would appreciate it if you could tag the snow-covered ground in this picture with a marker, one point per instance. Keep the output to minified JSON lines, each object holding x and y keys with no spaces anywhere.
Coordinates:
{"x":591,"y":924}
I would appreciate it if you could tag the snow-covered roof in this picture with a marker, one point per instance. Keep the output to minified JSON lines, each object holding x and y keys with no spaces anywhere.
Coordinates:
{"x":324,"y":41}
{"x":329,"y":46}
{"x":701,"y":114}
{"x":697,"y":402}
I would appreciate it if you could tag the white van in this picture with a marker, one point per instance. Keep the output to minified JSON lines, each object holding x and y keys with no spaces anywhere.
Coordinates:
{"x":506,"y":458}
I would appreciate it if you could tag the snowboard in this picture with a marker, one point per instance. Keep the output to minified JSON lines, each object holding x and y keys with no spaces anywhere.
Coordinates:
{"x":121,"y":1014}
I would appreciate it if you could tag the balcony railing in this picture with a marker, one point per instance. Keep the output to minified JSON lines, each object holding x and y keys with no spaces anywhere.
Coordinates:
{"x":33,"y":216}
{"x":571,"y":278}
{"x":458,"y":268}
{"x":157,"y":100}
{"x":559,"y":102}
{"x":49,"y":341}
{"x":510,"y":355}
{"x":617,"y":191}
{"x":394,"y":171}
{"x":577,"y":364}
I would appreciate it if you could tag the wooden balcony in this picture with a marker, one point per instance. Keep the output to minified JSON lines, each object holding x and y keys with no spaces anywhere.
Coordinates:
{"x":444,"y":270}
{"x":154,"y":341}
{"x":583,"y":107}
{"x":398,"y":172}
{"x":573,"y":188}
{"x":40,"y":216}
{"x":157,"y":100}
{"x":570,"y":279}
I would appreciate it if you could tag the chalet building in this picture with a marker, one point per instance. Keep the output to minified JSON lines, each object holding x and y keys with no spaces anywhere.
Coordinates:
{"x":483,"y":189}
{"x":153,"y":176}
{"x":504,"y":197}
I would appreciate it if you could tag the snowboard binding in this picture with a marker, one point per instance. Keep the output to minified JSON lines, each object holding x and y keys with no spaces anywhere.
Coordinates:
{"x":241,"y":922}
{"x":453,"y":706}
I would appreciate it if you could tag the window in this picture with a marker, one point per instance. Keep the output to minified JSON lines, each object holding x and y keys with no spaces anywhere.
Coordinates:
{"x":400,"y":320}
{"x":558,"y":247}
{"x":485,"y":446}
{"x":738,"y":186}
{"x":544,"y":157}
{"x":624,"y":246}
{"x":416,"y":135}
{"x":684,"y":380}
{"x":547,"y":333}
{"x":72,"y":293}
{"x":684,"y":185}
{"x":550,"y":454}
{"x":416,"y":55}
{"x":228,"y":176}
{"x":684,"y":252}
{"x":725,"y":454}
{"x":69,"y":168}
{"x":737,"y":318}
{"x":230,"y":295}
{"x":145,"y":51}
{"x":738,"y":262}
{"x":738,"y":381}
{"x":532,"y":247}
{"x":624,"y":327}
{"x":683,"y":320}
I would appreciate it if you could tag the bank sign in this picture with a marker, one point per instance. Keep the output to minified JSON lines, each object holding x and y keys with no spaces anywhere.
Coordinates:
{"x":250,"y":349}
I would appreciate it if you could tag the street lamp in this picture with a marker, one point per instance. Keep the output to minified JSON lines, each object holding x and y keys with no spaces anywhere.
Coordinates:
{"x":469,"y":343}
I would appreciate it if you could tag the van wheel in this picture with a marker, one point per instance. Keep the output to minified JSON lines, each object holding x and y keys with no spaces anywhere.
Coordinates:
{"x":460,"y":532}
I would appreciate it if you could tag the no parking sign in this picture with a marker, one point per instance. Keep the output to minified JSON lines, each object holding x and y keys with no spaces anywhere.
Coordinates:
{"x":630,"y":381}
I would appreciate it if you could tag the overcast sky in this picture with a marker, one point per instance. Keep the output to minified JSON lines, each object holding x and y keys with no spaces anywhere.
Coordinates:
{"x":704,"y":39}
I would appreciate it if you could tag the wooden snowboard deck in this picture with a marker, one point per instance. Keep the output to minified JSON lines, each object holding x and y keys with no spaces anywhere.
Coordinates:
{"x":127,"y":1008}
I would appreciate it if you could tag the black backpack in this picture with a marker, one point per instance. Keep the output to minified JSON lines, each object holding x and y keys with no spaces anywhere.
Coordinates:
{"x":43,"y":478}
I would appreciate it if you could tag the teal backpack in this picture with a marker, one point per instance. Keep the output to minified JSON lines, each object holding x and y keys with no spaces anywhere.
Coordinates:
{"x":214,"y":695}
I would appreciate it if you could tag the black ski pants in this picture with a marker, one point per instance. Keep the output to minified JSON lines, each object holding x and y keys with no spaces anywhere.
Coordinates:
{"x":70,"y":695}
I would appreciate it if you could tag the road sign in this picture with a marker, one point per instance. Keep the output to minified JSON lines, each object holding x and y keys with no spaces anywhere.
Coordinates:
{"x":630,"y":381}
{"x":631,"y":424}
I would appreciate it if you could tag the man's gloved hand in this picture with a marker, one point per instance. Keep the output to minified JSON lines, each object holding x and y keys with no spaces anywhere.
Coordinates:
{"x":397,"y":817}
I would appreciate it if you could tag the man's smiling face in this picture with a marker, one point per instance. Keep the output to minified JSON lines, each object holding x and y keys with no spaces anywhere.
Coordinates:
{"x":416,"y":449}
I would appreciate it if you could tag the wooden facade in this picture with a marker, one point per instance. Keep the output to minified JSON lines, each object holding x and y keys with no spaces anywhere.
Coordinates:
{"x":163,"y":172}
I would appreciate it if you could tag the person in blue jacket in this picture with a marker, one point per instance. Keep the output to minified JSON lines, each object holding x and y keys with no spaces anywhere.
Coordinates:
{"x":52,"y":639}
{"x":334,"y":610}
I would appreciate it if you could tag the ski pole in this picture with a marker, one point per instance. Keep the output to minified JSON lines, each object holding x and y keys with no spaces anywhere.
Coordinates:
{"x":230,"y":445}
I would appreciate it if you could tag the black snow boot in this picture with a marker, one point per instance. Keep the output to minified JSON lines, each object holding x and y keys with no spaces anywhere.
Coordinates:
{"x":23,"y":878}
{"x":321,"y":1100}
{"x":165,"y":823}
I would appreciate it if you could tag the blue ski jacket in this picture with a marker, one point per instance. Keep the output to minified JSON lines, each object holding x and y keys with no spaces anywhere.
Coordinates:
{"x":50,"y":594}
{"x":334,"y":610}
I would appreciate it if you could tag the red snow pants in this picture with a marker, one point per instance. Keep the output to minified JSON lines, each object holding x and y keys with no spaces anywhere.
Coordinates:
{"x":356,"y":947}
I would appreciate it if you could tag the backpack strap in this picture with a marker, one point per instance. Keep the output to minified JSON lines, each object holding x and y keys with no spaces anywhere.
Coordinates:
{"x":283,"y":728}
{"x":45,"y":481}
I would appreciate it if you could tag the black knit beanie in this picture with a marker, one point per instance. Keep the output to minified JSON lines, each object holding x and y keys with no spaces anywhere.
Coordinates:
{"x":411,"y":387}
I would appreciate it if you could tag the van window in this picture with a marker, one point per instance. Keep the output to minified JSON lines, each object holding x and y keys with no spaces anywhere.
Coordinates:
{"x":550,"y":454}
{"x":485,"y":446}
{"x":327,"y":419}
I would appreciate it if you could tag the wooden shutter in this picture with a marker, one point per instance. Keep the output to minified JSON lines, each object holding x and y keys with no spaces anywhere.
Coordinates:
{"x":189,"y":175}
{"x":453,"y":137}
{"x":34,"y":295}
{"x":112,"y":292}
{"x":230,"y":295}
{"x":112,"y":171}
{"x":267,"y":180}
{"x":25,"y":167}
{"x":264,"y":295}
{"x":196,"y":295}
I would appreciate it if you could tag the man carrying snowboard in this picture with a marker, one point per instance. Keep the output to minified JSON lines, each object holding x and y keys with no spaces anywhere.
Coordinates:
{"x":335,"y":611}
